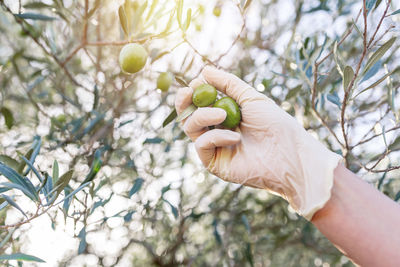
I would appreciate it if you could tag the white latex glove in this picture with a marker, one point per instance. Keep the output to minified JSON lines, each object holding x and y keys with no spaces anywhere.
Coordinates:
{"x":268,"y":150}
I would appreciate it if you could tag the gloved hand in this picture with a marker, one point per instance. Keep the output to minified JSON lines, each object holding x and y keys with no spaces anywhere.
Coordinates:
{"x":268,"y":150}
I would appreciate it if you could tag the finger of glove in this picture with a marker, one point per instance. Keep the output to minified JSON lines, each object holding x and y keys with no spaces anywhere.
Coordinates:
{"x":183,"y":99}
{"x":198,"y":122}
{"x":210,"y":140}
{"x":229,"y":84}
{"x":196,"y":82}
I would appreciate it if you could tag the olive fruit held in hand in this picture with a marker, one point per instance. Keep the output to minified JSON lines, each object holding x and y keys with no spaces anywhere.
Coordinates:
{"x":204,"y":95}
{"x":132,"y":58}
{"x":233,"y":115}
{"x":164,"y":81}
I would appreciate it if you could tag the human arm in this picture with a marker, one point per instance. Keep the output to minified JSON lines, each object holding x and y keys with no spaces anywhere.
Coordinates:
{"x":360,"y":221}
{"x":271,"y":150}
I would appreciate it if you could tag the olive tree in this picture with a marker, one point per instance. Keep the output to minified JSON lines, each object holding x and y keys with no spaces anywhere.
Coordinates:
{"x":94,"y":149}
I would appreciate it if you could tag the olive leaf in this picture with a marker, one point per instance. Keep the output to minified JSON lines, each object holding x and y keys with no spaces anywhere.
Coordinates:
{"x":247,"y":4}
{"x":123,"y":20}
{"x":181,"y":81}
{"x":348,"y":75}
{"x":20,"y":257}
{"x":373,"y":85}
{"x":62,"y":182}
{"x":188,"y":19}
{"x":151,"y":10}
{"x":378,"y":54}
{"x":170,"y":118}
{"x":186,"y":113}
{"x":55,"y":172}
{"x":395,"y":12}
{"x":179,"y":13}
{"x":8,"y":117}
{"x":337,"y":59}
{"x":12,"y":203}
{"x":293,"y":92}
{"x":34,"y":16}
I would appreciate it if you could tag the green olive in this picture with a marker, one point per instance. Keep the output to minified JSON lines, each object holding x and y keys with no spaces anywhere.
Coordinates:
{"x":132,"y":58}
{"x":217,"y":11}
{"x":233,"y":115}
{"x":204,"y":95}
{"x":164,"y":81}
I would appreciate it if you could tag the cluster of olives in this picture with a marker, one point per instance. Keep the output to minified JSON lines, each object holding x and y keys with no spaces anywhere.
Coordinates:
{"x":132,"y":59}
{"x":206,"y":95}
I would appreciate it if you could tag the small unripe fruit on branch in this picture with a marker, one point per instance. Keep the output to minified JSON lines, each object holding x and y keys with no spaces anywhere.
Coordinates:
{"x":132,"y":58}
{"x":164,"y":81}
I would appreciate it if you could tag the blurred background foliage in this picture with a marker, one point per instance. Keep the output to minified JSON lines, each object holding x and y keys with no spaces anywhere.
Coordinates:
{"x":83,"y":148}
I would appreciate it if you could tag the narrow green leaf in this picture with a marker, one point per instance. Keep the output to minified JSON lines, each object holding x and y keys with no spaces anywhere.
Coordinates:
{"x":381,"y":180}
{"x":169,"y":23}
{"x":293,"y":92}
{"x":357,"y":29}
{"x":246,"y":223}
{"x":169,"y":119}
{"x":4,"y":189}
{"x":16,"y":178}
{"x":35,"y":83}
{"x":379,"y":54}
{"x":9,"y":161}
{"x":8,"y":117}
{"x":136,"y":186}
{"x":156,"y":140}
{"x":395,"y":13}
{"x":370,"y":4}
{"x":12,"y":203}
{"x":179,"y":13}
{"x":128,"y":216}
{"x":22,"y":164}
{"x":4,"y":241}
{"x":186,"y":113}
{"x":95,"y":168}
{"x":334,"y":98}
{"x":188,"y":20}
{"x":337,"y":59}
{"x":216,"y":233}
{"x":63,"y":182}
{"x":247,"y":4}
{"x":397,"y":197}
{"x":37,"y":5}
{"x":34,"y":16}
{"x":67,"y":198}
{"x":181,"y":81}
{"x":20,"y":257}
{"x":23,"y":189}
{"x":391,"y":96}
{"x":165,"y":189}
{"x":348,"y":75}
{"x":55,"y":172}
{"x":174,"y":210}
{"x":123,"y":20}
{"x":249,"y":254}
{"x":82,"y":243}
{"x":35,"y":171}
{"x":378,"y":81}
{"x":384,"y":136}
{"x":151,"y":10}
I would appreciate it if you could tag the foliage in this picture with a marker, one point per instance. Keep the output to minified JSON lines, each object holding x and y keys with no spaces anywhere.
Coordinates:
{"x":83,"y":144}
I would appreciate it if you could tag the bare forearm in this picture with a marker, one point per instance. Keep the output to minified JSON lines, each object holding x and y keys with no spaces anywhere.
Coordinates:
{"x":361,"y":221}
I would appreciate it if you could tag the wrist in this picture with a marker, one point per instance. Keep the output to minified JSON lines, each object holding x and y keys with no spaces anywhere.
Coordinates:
{"x":339,"y":180}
